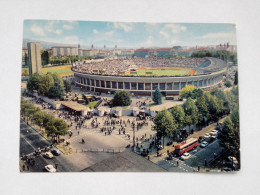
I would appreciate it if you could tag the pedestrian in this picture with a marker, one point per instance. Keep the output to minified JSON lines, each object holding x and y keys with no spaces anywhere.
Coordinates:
{"x":78,"y":132}
{"x":23,"y":167}
{"x":56,"y":165}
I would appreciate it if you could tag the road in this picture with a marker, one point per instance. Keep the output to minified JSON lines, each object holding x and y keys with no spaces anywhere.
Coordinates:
{"x":30,"y":140}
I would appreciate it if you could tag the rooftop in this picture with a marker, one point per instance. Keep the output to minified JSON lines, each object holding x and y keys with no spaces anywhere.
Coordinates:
{"x":126,"y":161}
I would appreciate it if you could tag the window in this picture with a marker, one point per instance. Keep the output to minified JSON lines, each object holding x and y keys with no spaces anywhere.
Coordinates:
{"x":162,"y":86}
{"x":169,"y":86}
{"x":176,"y":86}
{"x":97,"y":83}
{"x":183,"y":85}
{"x":114,"y":85}
{"x":133,"y":86}
{"x":200,"y":83}
{"x":147,"y":86}
{"x":88,"y":81}
{"x":102,"y":83}
{"x":120,"y":85}
{"x":92,"y":82}
{"x":190,"y":83}
{"x":195,"y":83}
{"x":140,"y":86}
{"x":205,"y":82}
{"x":155,"y":85}
{"x":108,"y":84}
{"x":127,"y":85}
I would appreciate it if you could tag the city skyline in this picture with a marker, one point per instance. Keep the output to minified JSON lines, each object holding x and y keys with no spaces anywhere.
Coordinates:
{"x":124,"y":34}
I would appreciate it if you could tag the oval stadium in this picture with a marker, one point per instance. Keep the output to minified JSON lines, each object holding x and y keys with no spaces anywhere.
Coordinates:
{"x":141,"y":76}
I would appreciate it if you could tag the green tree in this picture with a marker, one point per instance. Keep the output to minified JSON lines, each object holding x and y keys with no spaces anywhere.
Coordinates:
{"x":236,"y":79}
{"x":157,"y":97}
{"x":33,"y":82}
{"x":67,"y":86}
{"x":202,"y":110}
{"x":197,"y":93}
{"x":46,"y":119}
{"x":46,"y":82}
{"x":122,"y":98}
{"x":187,"y":92}
{"x":56,"y":91}
{"x":191,"y":112}
{"x":45,"y":58}
{"x":56,"y":127}
{"x":37,"y":118}
{"x":228,"y":84}
{"x":179,"y":116}
{"x":229,"y":136}
{"x":164,"y":124}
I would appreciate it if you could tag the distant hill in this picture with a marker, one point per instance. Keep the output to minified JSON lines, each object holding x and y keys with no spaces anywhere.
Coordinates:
{"x":46,"y":45}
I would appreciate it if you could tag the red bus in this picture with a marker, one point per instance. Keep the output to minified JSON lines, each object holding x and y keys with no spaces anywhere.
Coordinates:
{"x":186,"y":146}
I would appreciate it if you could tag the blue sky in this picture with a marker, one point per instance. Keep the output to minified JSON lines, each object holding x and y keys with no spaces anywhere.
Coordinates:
{"x":129,"y":34}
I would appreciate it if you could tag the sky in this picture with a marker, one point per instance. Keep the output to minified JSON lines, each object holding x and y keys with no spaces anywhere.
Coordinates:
{"x":134,"y":35}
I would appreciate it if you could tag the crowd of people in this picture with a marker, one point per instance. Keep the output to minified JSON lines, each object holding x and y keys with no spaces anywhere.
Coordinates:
{"x":120,"y":66}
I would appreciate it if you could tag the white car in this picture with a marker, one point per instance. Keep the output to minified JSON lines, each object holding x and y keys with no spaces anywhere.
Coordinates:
{"x":185,"y":156}
{"x":207,"y":135}
{"x":50,"y":168}
{"x":214,"y":132}
{"x":204,"y":144}
{"x":48,"y":155}
{"x":233,"y":159}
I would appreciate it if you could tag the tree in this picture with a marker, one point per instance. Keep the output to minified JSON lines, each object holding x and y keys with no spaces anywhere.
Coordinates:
{"x":228,"y":84}
{"x":56,"y":91}
{"x":33,"y":82}
{"x":157,"y":97}
{"x":187,"y":92}
{"x":197,"y":93}
{"x":67,"y":86}
{"x":202,"y":110}
{"x":45,"y":57}
{"x":179,"y":116}
{"x":164,"y":124}
{"x":56,"y":127}
{"x":46,"y":82}
{"x":191,"y":112}
{"x":122,"y":98}
{"x":46,"y":119}
{"x":229,"y":136}
{"x":37,"y":118}
{"x":236,"y":79}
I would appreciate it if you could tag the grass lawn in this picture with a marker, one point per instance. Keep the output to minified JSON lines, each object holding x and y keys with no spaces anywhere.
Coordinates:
{"x":124,"y":107}
{"x":60,"y":70}
{"x":92,"y":104}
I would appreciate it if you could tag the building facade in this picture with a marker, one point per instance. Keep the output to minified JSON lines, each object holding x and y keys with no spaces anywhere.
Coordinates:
{"x":64,"y":51}
{"x":34,"y":58}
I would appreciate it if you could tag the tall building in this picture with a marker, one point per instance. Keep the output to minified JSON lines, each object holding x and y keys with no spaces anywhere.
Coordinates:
{"x":34,"y":54}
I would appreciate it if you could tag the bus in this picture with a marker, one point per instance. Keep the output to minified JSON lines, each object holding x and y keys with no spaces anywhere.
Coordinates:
{"x":186,"y":146}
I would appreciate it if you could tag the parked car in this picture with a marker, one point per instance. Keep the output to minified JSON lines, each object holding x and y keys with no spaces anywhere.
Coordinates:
{"x":207,"y":135}
{"x":55,"y":151}
{"x":185,"y":156}
{"x":201,"y":139}
{"x":47,"y":155}
{"x":213,"y":136}
{"x":227,"y":169}
{"x":233,"y":159}
{"x":204,"y":144}
{"x":213,"y":132}
{"x":50,"y":168}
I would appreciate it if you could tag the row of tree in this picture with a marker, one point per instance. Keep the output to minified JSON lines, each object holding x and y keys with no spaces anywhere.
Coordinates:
{"x":222,"y":54}
{"x":53,"y":126}
{"x":199,"y":109}
{"x":50,"y":85}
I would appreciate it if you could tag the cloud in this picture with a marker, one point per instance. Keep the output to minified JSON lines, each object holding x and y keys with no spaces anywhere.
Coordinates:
{"x":37,"y":30}
{"x":127,"y":27}
{"x":164,"y":34}
{"x":71,"y":40}
{"x":67,"y":27}
{"x":95,"y":31}
{"x":175,"y":28}
{"x":217,"y":38}
{"x":51,"y":27}
{"x":109,"y":34}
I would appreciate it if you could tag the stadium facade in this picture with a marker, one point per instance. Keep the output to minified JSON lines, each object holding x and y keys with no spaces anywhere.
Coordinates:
{"x":209,"y":76}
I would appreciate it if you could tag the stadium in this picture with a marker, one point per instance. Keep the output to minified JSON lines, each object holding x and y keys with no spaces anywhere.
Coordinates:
{"x":141,"y":76}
